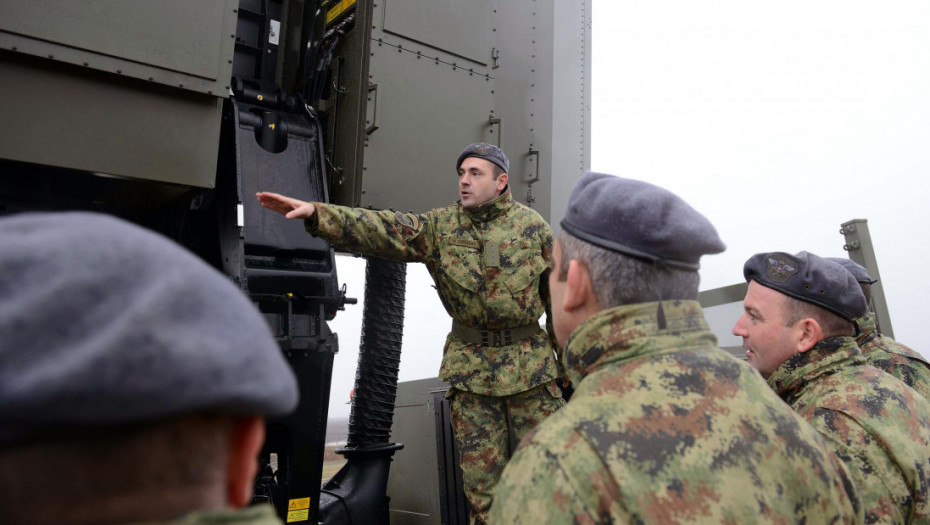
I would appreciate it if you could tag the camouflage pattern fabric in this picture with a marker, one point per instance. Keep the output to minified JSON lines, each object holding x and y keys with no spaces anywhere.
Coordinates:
{"x":255,"y":515}
{"x":884,"y":353}
{"x":878,"y":426}
{"x":666,"y":428}
{"x":483,"y":436}
{"x":489,"y":265}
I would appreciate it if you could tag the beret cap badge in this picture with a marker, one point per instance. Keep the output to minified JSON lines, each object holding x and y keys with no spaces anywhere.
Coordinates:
{"x":809,"y":278}
{"x":781,"y":267}
{"x":482,"y":148}
{"x":488,"y":152}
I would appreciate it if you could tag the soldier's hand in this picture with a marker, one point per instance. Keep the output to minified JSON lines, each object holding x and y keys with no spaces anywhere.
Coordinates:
{"x":287,"y":206}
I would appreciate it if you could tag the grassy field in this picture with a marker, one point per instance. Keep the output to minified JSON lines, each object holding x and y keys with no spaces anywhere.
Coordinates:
{"x":332,"y":462}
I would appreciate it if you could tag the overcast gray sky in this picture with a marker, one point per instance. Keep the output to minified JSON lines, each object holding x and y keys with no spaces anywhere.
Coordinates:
{"x":777,"y":120}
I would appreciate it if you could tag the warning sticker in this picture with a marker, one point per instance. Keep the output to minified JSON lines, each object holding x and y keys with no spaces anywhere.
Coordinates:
{"x":298,"y":510}
{"x":340,"y":8}
{"x":298,"y":504}
{"x":298,"y":515}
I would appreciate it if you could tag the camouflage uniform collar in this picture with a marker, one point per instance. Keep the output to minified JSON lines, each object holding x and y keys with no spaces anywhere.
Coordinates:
{"x":867,"y":329}
{"x":492,"y":209}
{"x":825,"y":357}
{"x":631,"y":331}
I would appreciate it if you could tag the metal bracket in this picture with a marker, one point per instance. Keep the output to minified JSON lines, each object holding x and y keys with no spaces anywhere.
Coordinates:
{"x":494,"y":121}
{"x":534,"y":159}
{"x":373,"y":121}
{"x":859,"y":246}
{"x":495,"y":58}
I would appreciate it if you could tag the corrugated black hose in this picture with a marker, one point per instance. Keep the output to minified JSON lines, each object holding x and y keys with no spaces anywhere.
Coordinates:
{"x":356,"y":494}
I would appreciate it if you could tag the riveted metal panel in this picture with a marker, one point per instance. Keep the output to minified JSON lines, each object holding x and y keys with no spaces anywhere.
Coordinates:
{"x":520,"y":49}
{"x":425,"y":105}
{"x":562,"y":104}
{"x":530,"y":94}
{"x":188,"y":45}
{"x":412,"y":485}
{"x":424,"y":21}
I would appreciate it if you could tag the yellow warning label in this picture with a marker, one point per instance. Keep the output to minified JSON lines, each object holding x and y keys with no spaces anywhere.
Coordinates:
{"x":298,"y":515}
{"x":298,"y":504}
{"x":338,"y":9}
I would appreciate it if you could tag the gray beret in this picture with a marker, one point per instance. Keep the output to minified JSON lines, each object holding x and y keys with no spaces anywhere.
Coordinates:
{"x":811,"y":279}
{"x":488,"y":152}
{"x":103,"y":322}
{"x":640,"y":220}
{"x":858,"y":271}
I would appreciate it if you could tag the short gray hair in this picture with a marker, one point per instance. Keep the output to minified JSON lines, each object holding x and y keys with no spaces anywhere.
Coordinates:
{"x":619,"y":279}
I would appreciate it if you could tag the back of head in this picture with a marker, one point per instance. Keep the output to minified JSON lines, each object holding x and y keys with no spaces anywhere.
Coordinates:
{"x":618,"y":279}
{"x":859,"y":272}
{"x":107,"y":328}
{"x":640,"y":242}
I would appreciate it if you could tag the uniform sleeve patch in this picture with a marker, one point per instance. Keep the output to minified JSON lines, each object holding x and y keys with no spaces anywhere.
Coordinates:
{"x":408,"y":219}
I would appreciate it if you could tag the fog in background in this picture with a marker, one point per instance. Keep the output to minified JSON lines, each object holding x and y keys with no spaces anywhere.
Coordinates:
{"x":779,"y":121}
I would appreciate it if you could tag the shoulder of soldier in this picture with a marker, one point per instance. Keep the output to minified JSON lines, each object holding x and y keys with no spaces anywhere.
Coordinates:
{"x":527,"y":214}
{"x":895,"y":347}
{"x":860,"y":391}
{"x":530,"y":223}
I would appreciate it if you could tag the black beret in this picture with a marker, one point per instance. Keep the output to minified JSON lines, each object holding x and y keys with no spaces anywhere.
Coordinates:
{"x":103,"y":322}
{"x":858,"y":271}
{"x":640,"y":220}
{"x":488,"y":152}
{"x":811,"y":279}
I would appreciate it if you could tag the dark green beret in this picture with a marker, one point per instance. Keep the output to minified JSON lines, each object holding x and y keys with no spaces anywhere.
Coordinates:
{"x":488,"y":152}
{"x":809,"y":278}
{"x":105,"y":323}
{"x":640,"y":220}
{"x":858,"y":271}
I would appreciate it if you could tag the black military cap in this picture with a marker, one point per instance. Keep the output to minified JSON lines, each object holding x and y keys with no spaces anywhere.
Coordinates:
{"x":811,"y":279}
{"x":488,"y":152}
{"x":640,"y":220}
{"x":858,"y":271}
{"x":105,"y":323}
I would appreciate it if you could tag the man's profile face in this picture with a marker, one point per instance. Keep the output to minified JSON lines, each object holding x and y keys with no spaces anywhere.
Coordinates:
{"x":768,"y":342}
{"x":560,"y":319}
{"x":476,"y":182}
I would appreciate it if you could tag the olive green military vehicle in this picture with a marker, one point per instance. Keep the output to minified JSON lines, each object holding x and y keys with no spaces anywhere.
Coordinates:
{"x":173,"y":113}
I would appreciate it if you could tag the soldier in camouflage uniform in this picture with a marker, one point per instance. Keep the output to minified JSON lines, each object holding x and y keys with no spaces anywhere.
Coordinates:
{"x":663,"y":426}
{"x":488,"y":256}
{"x":881,"y":351}
{"x":797,"y":328}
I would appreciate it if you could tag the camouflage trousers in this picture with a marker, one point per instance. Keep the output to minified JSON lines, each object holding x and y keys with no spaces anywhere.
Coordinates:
{"x":486,"y":431}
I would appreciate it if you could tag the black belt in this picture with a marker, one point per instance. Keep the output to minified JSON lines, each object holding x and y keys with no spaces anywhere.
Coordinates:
{"x":505,"y":337}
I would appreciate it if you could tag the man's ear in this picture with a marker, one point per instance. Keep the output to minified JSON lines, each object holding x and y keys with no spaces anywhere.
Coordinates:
{"x":807,"y":333}
{"x":245,"y":442}
{"x":501,"y":181}
{"x":578,"y":287}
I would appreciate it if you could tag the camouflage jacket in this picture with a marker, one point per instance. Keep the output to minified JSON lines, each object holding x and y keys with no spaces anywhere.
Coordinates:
{"x":256,"y":515}
{"x":489,"y":265}
{"x":879,"y":427}
{"x":666,"y":428}
{"x":884,"y":353}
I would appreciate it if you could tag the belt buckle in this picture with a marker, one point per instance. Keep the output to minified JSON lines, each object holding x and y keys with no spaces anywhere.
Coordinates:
{"x":497,"y":338}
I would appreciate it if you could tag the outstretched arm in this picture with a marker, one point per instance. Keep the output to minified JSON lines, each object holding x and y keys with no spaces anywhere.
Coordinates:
{"x":287,"y":206}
